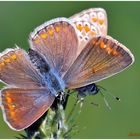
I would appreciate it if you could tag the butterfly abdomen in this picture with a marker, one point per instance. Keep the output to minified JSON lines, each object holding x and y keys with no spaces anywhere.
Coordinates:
{"x":91,"y":89}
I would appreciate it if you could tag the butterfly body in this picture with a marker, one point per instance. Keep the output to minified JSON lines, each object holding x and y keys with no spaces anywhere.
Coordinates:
{"x":50,"y":77}
{"x":53,"y":82}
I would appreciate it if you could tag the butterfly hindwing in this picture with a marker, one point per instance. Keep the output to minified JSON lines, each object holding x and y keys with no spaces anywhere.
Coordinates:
{"x":17,"y":70}
{"x":22,"y":107}
{"x":57,"y":41}
{"x":101,"y":58}
{"x":88,"y":24}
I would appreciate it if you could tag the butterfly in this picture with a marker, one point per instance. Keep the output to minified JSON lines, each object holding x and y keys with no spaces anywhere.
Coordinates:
{"x":33,"y":80}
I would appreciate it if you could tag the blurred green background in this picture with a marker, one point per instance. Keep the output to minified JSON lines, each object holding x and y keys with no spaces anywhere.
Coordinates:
{"x":18,"y":19}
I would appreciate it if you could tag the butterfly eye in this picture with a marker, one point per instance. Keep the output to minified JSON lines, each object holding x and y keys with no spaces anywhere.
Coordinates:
{"x":79,"y":26}
{"x":86,"y":26}
{"x":101,"y":18}
{"x":93,"y":17}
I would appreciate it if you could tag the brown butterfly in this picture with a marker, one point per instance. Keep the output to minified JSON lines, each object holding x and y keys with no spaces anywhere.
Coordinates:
{"x":35,"y":80}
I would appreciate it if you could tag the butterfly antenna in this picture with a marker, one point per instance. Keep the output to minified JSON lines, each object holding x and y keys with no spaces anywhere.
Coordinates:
{"x":69,"y":93}
{"x":80,"y":99}
{"x":115,"y":97}
{"x":106,"y":102}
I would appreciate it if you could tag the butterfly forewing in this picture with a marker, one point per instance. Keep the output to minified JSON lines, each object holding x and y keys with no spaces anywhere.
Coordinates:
{"x":101,"y":58}
{"x":57,"y":41}
{"x":17,"y":70}
{"x":22,"y":107}
{"x":88,"y":24}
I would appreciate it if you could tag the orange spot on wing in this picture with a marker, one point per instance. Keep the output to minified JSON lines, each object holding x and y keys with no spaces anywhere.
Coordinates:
{"x":7,"y":60}
{"x":94,"y":19}
{"x":79,"y":27}
{"x":12,"y":114}
{"x":114,"y":52}
{"x":14,"y":57}
{"x":11,"y":107}
{"x":57,"y":29}
{"x":109,"y":50}
{"x":101,"y":21}
{"x":43,"y":35}
{"x":86,"y":28}
{"x":9,"y":100}
{"x":37,"y":40}
{"x":50,"y":31}
{"x":92,"y":33}
{"x":2,"y":64}
{"x":102,"y":45}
